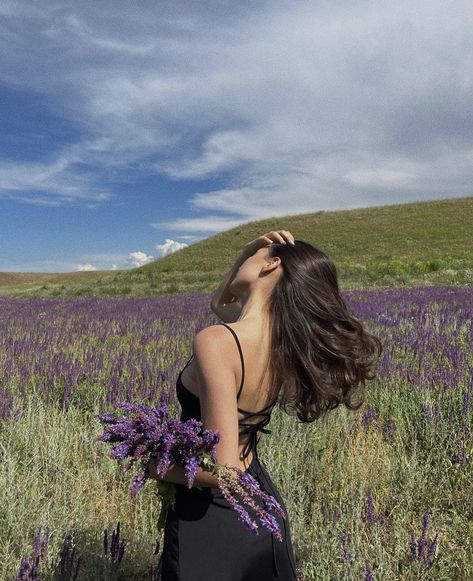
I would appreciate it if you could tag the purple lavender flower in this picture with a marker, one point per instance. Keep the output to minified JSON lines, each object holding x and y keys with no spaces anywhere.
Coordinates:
{"x":107,"y":417}
{"x":242,"y":513}
{"x":117,"y":548}
{"x":421,"y":542}
{"x":163,"y":463}
{"x":369,"y":417}
{"x":30,"y":569}
{"x":137,"y":483}
{"x":368,"y":572}
{"x":253,"y":487}
{"x":368,"y":510}
{"x":427,"y":413}
{"x":245,"y":517}
{"x":418,"y":549}
{"x":390,"y":427}
{"x":68,"y":564}
{"x":346,"y":552}
{"x":227,"y":480}
{"x":270,"y":523}
{"x":432,"y":550}
{"x":150,"y":433}
{"x":23,"y":573}
{"x":336,"y":515}
{"x":190,"y":470}
{"x":120,"y":451}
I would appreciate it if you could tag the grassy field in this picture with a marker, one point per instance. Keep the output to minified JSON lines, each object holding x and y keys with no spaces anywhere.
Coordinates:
{"x":379,"y":494}
{"x":382,"y":493}
{"x":419,"y":243}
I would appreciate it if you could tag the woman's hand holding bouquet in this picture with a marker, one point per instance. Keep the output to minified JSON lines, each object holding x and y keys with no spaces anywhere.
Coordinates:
{"x":150,"y":434}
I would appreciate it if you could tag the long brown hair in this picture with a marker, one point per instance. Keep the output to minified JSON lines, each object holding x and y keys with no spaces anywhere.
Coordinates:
{"x":320,"y":353}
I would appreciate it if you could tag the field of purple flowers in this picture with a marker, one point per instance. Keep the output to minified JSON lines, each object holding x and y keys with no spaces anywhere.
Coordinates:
{"x":383,"y":493}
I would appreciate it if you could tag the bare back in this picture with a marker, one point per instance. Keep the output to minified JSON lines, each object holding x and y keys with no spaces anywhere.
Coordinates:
{"x":254,"y":343}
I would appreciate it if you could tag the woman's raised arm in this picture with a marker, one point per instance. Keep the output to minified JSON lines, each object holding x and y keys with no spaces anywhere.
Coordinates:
{"x":224,"y":304}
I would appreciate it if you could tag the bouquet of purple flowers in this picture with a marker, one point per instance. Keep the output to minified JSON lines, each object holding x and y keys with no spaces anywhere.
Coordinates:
{"x":150,"y":433}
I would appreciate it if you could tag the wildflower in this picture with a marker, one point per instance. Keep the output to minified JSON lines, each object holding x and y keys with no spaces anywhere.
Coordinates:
{"x":368,"y":572}
{"x":418,"y":549}
{"x":368,"y":509}
{"x":149,"y":433}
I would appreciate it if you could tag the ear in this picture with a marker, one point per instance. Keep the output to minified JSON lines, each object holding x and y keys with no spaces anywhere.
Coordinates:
{"x":271,"y":264}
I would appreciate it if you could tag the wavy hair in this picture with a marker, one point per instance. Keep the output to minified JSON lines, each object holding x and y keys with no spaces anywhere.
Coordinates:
{"x":321,"y":353}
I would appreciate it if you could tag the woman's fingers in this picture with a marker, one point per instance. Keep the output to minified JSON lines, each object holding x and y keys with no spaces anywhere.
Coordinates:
{"x":281,"y":236}
{"x":288,"y":235}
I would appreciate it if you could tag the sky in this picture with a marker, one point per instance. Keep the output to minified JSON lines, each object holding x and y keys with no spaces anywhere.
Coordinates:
{"x":130,"y":130}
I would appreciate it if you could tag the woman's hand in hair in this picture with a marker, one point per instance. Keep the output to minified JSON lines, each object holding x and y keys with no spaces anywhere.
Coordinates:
{"x":224,"y":303}
{"x":279,"y":236}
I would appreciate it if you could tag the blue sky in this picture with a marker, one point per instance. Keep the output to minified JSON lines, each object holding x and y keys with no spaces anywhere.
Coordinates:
{"x":128,"y":130}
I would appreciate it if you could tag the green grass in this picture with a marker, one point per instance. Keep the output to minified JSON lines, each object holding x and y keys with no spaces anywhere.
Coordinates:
{"x":419,"y":243}
{"x":53,"y":473}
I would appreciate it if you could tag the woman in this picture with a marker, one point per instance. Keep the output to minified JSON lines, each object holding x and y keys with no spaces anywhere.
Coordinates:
{"x":287,"y":337}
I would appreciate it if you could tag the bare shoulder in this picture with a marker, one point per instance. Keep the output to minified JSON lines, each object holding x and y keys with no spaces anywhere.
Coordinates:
{"x":215,"y":359}
{"x":210,"y":334}
{"x":243,"y":330}
{"x":216,"y":337}
{"x":214,"y":340}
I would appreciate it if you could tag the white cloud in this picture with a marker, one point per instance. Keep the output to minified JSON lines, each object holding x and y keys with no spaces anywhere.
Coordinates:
{"x":139,"y":258}
{"x":191,"y":237}
{"x":205,"y":224}
{"x":66,"y":263}
{"x":169,"y":247}
{"x":299,"y":106}
{"x":72,"y":25}
{"x":55,"y":182}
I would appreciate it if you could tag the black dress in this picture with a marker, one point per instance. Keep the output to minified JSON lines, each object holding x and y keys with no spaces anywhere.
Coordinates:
{"x":204,"y":540}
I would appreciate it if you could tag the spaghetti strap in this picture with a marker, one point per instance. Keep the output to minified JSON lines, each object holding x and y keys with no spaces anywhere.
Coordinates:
{"x":241,"y":356}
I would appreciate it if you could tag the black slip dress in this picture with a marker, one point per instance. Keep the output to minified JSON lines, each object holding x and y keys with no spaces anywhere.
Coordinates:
{"x":204,"y":540}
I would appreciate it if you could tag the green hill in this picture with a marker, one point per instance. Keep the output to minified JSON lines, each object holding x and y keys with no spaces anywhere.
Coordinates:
{"x":417,"y":243}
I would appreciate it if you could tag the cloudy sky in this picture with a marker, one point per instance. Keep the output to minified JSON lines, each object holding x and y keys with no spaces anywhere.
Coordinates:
{"x":128,"y":130}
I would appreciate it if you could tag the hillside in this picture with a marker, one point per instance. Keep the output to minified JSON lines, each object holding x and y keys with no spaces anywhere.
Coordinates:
{"x":391,"y":245}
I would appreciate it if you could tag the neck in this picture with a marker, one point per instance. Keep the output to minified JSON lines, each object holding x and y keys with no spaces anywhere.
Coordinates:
{"x":254,"y":306}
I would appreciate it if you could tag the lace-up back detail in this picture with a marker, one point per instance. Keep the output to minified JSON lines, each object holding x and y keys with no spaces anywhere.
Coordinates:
{"x":249,"y":428}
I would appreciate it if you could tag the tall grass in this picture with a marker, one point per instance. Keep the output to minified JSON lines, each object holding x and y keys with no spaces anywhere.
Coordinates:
{"x":383,"y":493}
